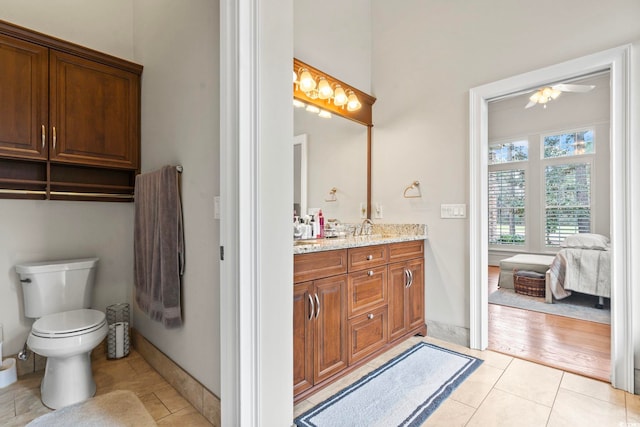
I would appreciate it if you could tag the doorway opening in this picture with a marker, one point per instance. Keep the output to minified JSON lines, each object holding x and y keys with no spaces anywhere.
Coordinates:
{"x":617,"y":61}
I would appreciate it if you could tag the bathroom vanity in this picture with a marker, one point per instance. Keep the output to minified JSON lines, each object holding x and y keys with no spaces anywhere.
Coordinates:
{"x":353,"y":298}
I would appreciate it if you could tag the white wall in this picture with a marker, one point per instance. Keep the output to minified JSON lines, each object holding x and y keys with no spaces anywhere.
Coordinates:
{"x":178,"y":44}
{"x":426,"y":57}
{"x":42,"y":230}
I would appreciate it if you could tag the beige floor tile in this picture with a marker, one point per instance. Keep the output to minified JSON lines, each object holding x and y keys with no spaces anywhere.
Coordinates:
{"x":7,"y":407}
{"x":531,"y":381}
{"x":633,"y":408}
{"x":28,"y":400}
{"x":450,"y":414}
{"x":301,"y":408}
{"x":497,"y":360}
{"x":502,"y":409}
{"x":185,"y":417}
{"x":476,"y":387}
{"x":575,"y":409}
{"x":154,"y":406}
{"x":593,"y":388}
{"x":171,"y":398}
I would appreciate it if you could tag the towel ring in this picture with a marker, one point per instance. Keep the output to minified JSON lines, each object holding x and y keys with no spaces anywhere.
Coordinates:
{"x":332,"y":195}
{"x":414,"y":186}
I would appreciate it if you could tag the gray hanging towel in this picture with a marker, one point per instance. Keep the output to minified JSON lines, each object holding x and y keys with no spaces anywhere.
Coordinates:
{"x":159,"y":245}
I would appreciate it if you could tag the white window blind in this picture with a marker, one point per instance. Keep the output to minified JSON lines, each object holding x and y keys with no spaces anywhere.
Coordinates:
{"x":507,"y":207}
{"x":567,"y":201}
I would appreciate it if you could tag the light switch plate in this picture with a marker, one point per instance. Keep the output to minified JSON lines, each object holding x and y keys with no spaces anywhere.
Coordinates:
{"x":457,"y":211}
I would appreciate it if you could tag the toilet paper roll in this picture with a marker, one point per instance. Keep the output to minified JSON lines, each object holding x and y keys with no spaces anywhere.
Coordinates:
{"x":119,"y":340}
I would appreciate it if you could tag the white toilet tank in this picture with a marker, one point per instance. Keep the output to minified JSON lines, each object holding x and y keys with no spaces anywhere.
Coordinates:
{"x":56,"y":286}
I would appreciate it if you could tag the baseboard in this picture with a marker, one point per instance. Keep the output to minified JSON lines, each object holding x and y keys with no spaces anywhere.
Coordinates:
{"x":450,"y":333}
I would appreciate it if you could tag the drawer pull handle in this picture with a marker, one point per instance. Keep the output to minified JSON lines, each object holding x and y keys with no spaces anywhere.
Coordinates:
{"x":369,"y":273}
{"x":406,"y":278}
{"x":54,"y":138}
{"x":370,"y":316}
{"x":317,"y":306}
{"x":311,"y":307}
{"x":44,"y":136}
{"x":369,"y":257}
{"x":410,"y":278}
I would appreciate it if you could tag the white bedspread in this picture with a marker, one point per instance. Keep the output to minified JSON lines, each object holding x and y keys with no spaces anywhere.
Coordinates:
{"x":582,"y":270}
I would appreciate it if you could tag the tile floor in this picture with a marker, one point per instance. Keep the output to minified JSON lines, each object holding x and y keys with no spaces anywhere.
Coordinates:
{"x":20,"y":402}
{"x":505,"y":391}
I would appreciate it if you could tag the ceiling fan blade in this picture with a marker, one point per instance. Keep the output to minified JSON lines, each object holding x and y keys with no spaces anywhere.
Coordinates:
{"x":573,"y":88}
{"x":530,"y":104}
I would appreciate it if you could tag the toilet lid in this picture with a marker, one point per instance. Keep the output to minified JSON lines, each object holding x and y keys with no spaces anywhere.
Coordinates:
{"x":68,"y":323}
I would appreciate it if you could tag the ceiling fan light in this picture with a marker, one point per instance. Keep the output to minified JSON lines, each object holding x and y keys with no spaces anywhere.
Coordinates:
{"x":324,"y":89}
{"x":543,"y":100}
{"x":353,"y":103}
{"x":546,"y":92}
{"x":339,"y":96}
{"x":307,"y":83}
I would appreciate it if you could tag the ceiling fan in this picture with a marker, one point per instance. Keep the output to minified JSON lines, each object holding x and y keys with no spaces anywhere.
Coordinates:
{"x":549,"y":93}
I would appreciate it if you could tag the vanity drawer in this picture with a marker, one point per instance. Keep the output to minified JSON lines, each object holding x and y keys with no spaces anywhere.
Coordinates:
{"x":366,"y":290}
{"x":406,"y":250}
{"x":367,"y":257}
{"x":317,"y":265}
{"x":367,"y":333}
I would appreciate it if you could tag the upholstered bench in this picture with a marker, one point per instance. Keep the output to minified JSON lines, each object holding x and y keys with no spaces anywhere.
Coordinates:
{"x":538,"y":263}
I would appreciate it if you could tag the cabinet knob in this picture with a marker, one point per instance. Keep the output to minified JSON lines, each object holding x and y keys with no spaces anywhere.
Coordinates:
{"x":369,"y":273}
{"x":370,"y":316}
{"x":369,"y":257}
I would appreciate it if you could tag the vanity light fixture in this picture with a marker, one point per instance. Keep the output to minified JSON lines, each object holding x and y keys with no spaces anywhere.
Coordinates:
{"x":353,"y":104}
{"x":319,"y":86}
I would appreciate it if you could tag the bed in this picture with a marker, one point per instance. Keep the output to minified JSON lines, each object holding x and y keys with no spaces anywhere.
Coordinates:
{"x":582,"y":265}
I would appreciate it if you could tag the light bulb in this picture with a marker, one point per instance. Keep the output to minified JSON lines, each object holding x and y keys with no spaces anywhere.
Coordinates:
{"x":295,"y":76}
{"x":353,"y":104}
{"x":324,"y":89}
{"x":534,"y":97}
{"x":307,"y":83}
{"x":339,"y":97}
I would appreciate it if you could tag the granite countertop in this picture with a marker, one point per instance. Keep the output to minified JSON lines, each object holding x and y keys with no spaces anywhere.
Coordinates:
{"x":380,"y":234}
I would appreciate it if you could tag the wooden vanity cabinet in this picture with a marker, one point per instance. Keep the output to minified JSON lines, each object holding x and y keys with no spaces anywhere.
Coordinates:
{"x":69,"y":120}
{"x":366,"y":303}
{"x":406,"y":289}
{"x":319,"y":319}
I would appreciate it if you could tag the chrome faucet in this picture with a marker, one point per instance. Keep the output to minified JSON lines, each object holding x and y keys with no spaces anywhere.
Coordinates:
{"x":365,"y":227}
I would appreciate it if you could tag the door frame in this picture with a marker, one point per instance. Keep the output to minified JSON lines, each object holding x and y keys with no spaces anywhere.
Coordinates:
{"x":617,"y":60}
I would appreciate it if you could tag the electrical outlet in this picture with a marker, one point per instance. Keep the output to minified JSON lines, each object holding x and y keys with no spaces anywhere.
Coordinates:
{"x":379,"y":214}
{"x":363,"y":211}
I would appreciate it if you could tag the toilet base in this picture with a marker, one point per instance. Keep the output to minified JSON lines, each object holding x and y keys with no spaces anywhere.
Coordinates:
{"x":67,"y":381}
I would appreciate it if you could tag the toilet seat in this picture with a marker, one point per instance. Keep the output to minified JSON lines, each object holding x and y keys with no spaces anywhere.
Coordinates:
{"x":68,"y":323}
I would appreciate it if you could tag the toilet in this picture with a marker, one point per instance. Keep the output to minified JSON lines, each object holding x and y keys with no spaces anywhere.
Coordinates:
{"x":58,"y":295}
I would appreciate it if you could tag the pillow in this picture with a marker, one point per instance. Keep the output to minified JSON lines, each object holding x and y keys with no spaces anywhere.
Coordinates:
{"x":587,"y":241}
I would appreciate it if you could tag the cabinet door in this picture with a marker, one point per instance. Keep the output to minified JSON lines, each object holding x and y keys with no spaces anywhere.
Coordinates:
{"x":415,"y":294}
{"x":367,"y":333}
{"x":330,"y":344}
{"x":398,"y":281}
{"x":23,"y":99}
{"x":94,"y":113}
{"x":302,"y":337}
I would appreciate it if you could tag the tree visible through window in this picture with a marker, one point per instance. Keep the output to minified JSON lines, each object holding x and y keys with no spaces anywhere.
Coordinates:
{"x":507,"y":207}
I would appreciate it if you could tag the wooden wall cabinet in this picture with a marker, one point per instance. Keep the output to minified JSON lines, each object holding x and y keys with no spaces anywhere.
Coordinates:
{"x":367,"y":304}
{"x":69,"y":120}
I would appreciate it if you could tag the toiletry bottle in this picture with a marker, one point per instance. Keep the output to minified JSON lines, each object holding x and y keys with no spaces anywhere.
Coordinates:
{"x":314,"y":227}
{"x":320,"y":225}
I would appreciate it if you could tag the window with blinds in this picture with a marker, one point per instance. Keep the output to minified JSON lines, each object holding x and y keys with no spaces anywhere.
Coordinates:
{"x":567,"y":201}
{"x":507,"y":207}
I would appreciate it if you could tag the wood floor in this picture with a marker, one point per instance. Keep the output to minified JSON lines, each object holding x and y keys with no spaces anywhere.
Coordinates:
{"x":577,"y":346}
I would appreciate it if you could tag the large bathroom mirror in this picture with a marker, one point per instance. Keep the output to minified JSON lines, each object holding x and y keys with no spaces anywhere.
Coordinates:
{"x":331,"y":152}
